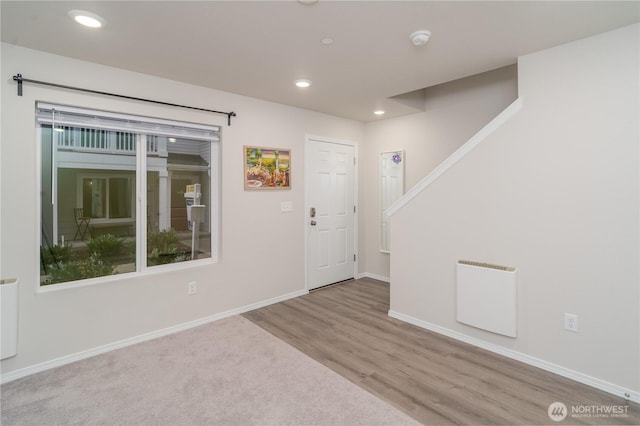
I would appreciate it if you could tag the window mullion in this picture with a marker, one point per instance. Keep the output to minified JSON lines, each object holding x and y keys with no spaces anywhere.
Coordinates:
{"x":141,"y":202}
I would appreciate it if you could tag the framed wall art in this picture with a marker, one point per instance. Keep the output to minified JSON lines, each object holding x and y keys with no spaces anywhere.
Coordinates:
{"x":267,"y":168}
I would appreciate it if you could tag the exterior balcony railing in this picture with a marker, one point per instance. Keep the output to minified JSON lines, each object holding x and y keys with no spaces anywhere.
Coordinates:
{"x":106,"y":142}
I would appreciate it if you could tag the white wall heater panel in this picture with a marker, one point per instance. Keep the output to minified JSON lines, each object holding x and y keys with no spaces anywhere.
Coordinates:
{"x":486,"y":297}
{"x":8,"y":318}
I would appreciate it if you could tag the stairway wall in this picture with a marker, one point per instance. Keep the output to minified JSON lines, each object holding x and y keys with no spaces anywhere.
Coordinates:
{"x":555,"y":193}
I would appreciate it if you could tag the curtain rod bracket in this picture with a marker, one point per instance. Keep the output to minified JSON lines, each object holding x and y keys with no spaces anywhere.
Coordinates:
{"x":229,"y":115}
{"x":19,"y":79}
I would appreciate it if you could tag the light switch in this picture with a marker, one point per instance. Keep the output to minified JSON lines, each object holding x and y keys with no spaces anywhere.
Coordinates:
{"x":286,"y":206}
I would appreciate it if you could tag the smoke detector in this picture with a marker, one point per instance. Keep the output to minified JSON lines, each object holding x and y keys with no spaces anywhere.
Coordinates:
{"x":420,"y":37}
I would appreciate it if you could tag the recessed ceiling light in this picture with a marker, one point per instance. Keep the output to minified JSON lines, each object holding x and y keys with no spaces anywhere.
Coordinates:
{"x":303,"y":83}
{"x":172,"y":140}
{"x":379,"y":112}
{"x":326,"y":41}
{"x":87,"y":19}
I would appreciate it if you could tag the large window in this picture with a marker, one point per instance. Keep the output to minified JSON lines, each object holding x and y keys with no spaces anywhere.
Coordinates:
{"x":121,"y":194}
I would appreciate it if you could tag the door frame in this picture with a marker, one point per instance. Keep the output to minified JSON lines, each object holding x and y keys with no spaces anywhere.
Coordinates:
{"x":308,"y":138}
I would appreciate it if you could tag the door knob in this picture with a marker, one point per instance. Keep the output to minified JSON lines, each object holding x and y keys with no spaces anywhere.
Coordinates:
{"x":313,"y":223}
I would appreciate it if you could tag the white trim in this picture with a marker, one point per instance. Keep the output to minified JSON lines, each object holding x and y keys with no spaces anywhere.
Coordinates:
{"x":356,"y":237}
{"x":67,"y":359}
{"x":527,"y":359}
{"x":460,"y":153}
{"x":141,"y":203}
{"x":148,"y":271}
{"x":215,"y":208}
{"x":373,"y":276}
{"x":38,"y":203}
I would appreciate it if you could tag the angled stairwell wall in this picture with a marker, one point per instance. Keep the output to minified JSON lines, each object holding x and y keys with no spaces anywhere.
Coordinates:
{"x":554,"y":192}
{"x":453,"y":112}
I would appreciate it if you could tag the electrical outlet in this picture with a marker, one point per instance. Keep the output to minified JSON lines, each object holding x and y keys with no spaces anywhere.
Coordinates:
{"x":571,"y":322}
{"x":192,"y":288}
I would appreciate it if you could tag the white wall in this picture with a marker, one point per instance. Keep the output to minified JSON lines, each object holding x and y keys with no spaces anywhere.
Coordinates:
{"x":262,"y":249}
{"x":454,"y":111}
{"x":555,"y":193}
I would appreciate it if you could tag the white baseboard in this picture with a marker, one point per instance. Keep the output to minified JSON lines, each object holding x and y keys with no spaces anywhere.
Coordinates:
{"x":527,"y":359}
{"x":373,"y":276}
{"x":67,"y":359}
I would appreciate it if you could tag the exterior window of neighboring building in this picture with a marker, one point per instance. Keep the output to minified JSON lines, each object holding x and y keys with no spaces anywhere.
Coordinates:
{"x":107,"y":197}
{"x":118,"y":193}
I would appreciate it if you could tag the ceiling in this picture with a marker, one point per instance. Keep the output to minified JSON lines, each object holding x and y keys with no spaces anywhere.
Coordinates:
{"x":258,"y":48}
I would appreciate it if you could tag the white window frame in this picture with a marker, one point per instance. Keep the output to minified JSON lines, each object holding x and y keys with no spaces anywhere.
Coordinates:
{"x":139,"y":199}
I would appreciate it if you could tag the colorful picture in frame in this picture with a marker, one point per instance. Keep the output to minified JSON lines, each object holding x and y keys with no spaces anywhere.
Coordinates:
{"x":267,"y":168}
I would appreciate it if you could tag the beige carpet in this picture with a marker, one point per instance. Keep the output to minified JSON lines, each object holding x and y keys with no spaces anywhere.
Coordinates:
{"x":230,"y":372}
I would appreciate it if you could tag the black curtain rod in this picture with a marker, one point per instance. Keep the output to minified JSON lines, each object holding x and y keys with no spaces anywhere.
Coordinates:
{"x":18,"y":78}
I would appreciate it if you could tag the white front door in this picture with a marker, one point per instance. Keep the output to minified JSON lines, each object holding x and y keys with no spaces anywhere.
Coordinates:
{"x":330,"y":212}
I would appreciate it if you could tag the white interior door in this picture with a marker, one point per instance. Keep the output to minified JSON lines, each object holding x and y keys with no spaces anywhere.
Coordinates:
{"x":330,"y":212}
{"x":391,"y":188}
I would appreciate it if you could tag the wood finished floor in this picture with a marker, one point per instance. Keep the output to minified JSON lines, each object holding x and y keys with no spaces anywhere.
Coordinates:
{"x":432,"y":378}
